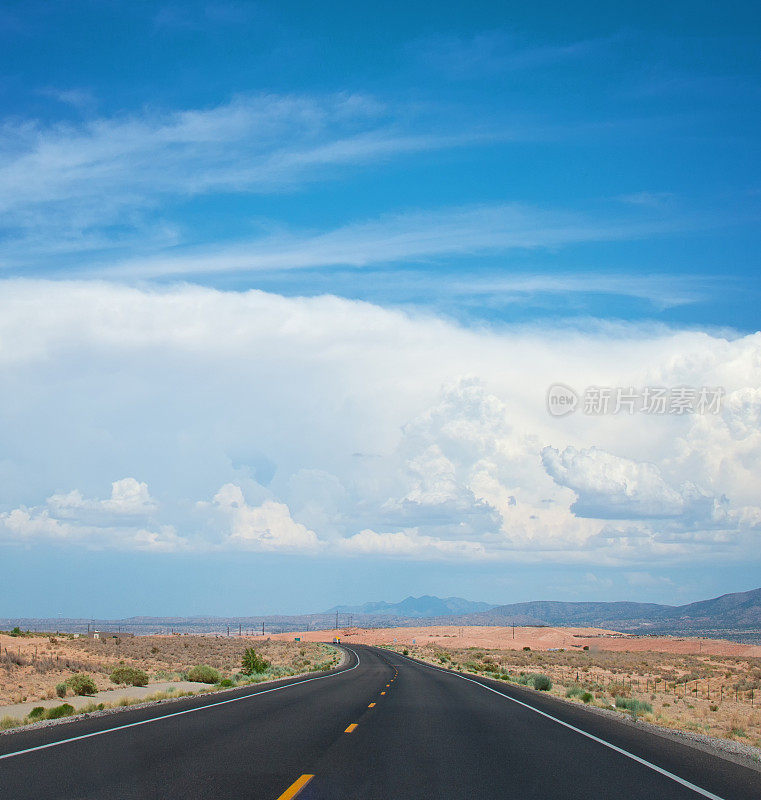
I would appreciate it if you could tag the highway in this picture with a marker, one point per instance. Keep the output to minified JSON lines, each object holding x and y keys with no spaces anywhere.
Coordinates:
{"x":383,"y":727}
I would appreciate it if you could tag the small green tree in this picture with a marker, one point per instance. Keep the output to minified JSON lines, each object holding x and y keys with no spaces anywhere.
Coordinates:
{"x":253,"y":662}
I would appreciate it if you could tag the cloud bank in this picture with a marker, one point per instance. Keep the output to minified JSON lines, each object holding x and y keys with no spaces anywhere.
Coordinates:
{"x":254,"y":422}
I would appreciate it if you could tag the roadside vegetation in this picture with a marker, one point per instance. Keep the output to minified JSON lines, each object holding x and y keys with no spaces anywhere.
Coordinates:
{"x":45,"y":667}
{"x":716,"y":695}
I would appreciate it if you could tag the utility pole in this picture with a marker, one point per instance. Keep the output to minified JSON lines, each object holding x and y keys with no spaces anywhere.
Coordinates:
{"x":240,"y":630}
{"x":262,"y":627}
{"x":336,"y":620}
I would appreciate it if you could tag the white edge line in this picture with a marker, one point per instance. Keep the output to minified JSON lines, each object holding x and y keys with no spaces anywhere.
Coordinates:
{"x":655,"y":767}
{"x":180,"y":713}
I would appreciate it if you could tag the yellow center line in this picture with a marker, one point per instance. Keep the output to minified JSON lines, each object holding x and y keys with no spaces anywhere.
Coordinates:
{"x":295,"y":787}
{"x":372,"y":705}
{"x":351,"y":727}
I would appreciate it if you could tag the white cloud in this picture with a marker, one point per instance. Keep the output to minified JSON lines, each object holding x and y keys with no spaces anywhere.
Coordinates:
{"x":128,"y":497}
{"x":416,"y":236}
{"x":87,"y":186}
{"x":265,"y":527}
{"x":610,"y":487}
{"x":24,"y":525}
{"x":341,"y":427}
{"x":409,"y":544}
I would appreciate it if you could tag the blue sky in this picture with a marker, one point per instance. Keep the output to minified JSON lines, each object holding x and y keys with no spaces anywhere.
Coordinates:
{"x":283,"y":288}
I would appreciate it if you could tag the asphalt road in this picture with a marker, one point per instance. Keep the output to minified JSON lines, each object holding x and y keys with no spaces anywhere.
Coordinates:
{"x":420,"y":733}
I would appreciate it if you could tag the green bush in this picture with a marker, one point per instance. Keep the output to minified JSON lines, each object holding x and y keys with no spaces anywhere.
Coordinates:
{"x":633,"y":705}
{"x":574,"y":691}
{"x":82,"y":684}
{"x":64,"y":710}
{"x":130,"y":676}
{"x":16,"y":632}
{"x":541,"y":682}
{"x":405,"y":652}
{"x":253,"y":662}
{"x":203,"y":673}
{"x":527,"y":649}
{"x":61,"y":689}
{"x":587,"y":697}
{"x":38,"y":712}
{"x":226,"y":683}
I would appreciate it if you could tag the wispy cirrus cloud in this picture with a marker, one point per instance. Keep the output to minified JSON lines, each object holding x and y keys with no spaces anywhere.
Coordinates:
{"x":411,"y":236}
{"x":99,"y":179}
{"x":493,"y":52}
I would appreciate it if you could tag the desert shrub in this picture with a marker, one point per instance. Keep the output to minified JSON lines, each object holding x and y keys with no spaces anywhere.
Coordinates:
{"x":253,"y":662}
{"x":130,"y":676}
{"x":587,"y":697}
{"x":574,"y":691}
{"x":82,"y":684}
{"x":203,"y":673}
{"x":64,"y":710}
{"x":16,"y":632}
{"x":9,"y":722}
{"x":226,"y":683}
{"x":527,"y":649}
{"x":38,"y":712}
{"x":405,"y":652}
{"x":61,"y":689}
{"x":633,"y":705}
{"x":542,"y":682}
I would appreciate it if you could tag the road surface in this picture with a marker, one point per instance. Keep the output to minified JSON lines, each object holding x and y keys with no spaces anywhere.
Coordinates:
{"x":384,"y":727}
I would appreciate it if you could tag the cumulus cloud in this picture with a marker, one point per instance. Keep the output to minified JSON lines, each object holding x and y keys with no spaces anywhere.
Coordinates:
{"x":340,"y":427}
{"x":265,"y":527}
{"x":129,"y":497}
{"x":33,"y":525}
{"x":610,"y":487}
{"x":409,"y":544}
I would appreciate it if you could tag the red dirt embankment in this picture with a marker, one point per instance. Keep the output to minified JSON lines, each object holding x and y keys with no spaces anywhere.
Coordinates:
{"x":536,"y":638}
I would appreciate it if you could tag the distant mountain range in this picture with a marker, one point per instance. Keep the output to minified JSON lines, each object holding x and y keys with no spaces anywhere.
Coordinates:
{"x":741,"y":609}
{"x":735,"y":616}
{"x":417,"y":607}
{"x":738,"y":611}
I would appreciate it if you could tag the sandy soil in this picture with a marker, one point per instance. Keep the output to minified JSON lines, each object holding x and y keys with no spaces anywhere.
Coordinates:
{"x":535,"y":638}
{"x":20,"y":710}
{"x":31,"y":666}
